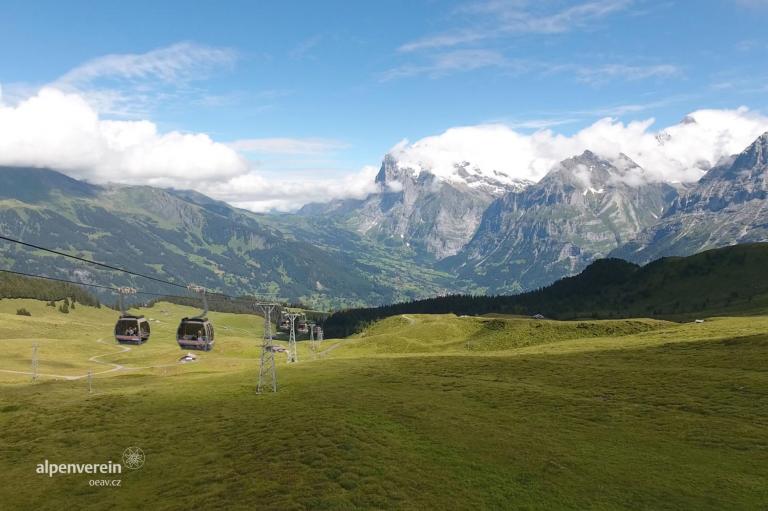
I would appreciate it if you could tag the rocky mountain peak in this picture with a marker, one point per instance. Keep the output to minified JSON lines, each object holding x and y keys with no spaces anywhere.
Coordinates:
{"x":390,"y":171}
{"x":726,"y":206}
{"x":756,"y":155}
{"x":591,"y":172}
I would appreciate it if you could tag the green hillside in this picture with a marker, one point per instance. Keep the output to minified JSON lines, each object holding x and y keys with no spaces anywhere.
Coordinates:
{"x":17,"y":286}
{"x":723,"y":281}
{"x":418,"y":412}
{"x":447,"y":333}
{"x":186,"y":237}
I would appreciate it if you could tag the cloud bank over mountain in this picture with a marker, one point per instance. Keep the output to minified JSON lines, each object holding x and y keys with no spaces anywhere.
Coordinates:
{"x":678,"y":153}
{"x":62,"y":130}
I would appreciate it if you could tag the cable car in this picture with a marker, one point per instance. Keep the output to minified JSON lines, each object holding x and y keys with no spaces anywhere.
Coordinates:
{"x":130,"y":329}
{"x":196,"y":333}
{"x":285,"y":322}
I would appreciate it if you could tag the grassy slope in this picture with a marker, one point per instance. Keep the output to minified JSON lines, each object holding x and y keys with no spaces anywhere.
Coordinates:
{"x":723,"y":282}
{"x":623,"y":415}
{"x":67,"y":341}
{"x":446,"y":333}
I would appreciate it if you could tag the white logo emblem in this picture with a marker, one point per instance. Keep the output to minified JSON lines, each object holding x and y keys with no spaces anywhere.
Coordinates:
{"x":133,"y":458}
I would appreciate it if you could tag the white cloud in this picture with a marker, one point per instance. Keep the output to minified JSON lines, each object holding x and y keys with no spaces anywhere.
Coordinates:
{"x":689,"y":148}
{"x":467,"y":46}
{"x":257,"y":193}
{"x":500,"y":18}
{"x":131,"y":84}
{"x":64,"y":132}
{"x":179,"y":62}
{"x":443,"y":63}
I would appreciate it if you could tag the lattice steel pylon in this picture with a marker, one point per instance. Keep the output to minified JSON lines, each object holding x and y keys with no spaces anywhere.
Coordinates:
{"x":293,"y":355}
{"x":312,"y":340}
{"x":267,"y":372}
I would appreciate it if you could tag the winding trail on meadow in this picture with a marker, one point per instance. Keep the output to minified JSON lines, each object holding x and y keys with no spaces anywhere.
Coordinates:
{"x":328,"y":350}
{"x":95,"y":359}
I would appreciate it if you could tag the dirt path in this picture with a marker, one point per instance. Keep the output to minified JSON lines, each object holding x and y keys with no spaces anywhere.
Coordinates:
{"x":95,"y":359}
{"x":328,"y":350}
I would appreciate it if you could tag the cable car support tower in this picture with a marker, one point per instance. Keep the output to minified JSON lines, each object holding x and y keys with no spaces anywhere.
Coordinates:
{"x":267,"y":372}
{"x":293,"y":355}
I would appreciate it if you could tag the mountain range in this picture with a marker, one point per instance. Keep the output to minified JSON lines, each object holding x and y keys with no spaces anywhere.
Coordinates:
{"x":728,"y":205}
{"x":421,"y":233}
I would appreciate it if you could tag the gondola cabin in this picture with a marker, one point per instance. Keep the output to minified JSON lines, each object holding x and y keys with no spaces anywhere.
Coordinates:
{"x":285,"y":324}
{"x":132,"y":329}
{"x":195,"y":334}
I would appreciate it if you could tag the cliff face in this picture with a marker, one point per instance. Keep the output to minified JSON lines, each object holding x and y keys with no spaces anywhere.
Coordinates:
{"x":728,"y":206}
{"x":580,"y":211}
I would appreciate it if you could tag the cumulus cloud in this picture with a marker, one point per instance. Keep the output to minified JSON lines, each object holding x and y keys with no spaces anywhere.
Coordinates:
{"x":259,"y":193}
{"x":680,"y":154}
{"x":62,"y":131}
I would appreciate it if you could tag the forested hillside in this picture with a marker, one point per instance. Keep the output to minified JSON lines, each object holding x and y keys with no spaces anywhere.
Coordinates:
{"x":729,"y":280}
{"x":17,"y":286}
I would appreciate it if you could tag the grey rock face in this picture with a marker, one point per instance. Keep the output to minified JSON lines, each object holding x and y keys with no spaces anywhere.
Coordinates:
{"x":729,"y":205}
{"x":580,"y":211}
{"x":421,"y":210}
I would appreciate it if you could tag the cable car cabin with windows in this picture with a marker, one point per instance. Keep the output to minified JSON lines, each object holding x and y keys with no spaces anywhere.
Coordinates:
{"x":195,"y":334}
{"x":132,"y":329}
{"x":285,"y":323}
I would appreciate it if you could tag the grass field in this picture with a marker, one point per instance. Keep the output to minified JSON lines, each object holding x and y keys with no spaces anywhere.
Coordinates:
{"x":417,"y":412}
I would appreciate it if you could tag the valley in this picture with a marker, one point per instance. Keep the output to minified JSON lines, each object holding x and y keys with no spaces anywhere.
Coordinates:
{"x":421,"y":234}
{"x":336,"y":256}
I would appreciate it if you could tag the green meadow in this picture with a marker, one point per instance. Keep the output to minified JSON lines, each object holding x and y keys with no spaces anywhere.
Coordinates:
{"x":415,"y":412}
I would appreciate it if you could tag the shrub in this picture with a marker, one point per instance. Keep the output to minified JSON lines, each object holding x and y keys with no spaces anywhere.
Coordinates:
{"x":64,"y":307}
{"x":23,"y":312}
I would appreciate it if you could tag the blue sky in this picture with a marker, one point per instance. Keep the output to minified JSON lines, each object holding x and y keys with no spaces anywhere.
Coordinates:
{"x":349,"y":80}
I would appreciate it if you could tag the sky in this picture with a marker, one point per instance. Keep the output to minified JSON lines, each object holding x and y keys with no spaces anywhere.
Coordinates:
{"x":270,"y":105}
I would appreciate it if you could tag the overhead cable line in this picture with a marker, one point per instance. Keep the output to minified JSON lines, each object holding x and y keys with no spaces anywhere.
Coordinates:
{"x":99,"y":286}
{"x":90,"y":261}
{"x":116,"y":268}
{"x":116,"y":289}
{"x":74,"y":282}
